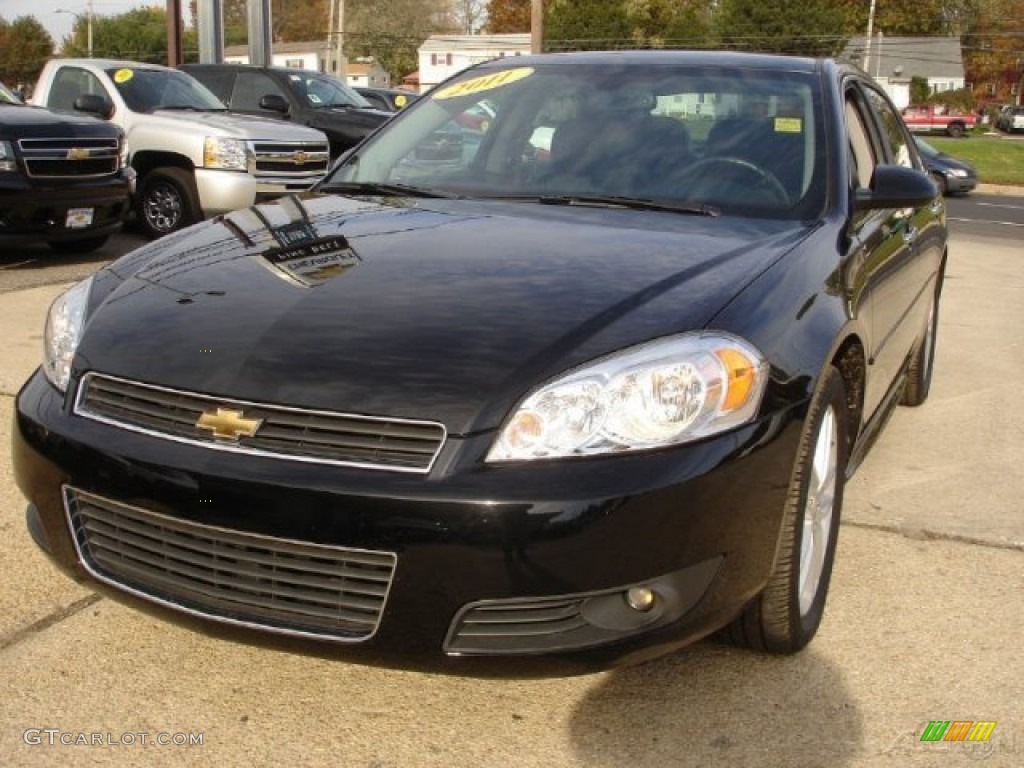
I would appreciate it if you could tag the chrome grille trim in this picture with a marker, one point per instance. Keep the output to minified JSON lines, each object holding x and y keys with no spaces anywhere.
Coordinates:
{"x":274,"y":162}
{"x":293,"y":434}
{"x":49,"y":158}
{"x":235,"y":577}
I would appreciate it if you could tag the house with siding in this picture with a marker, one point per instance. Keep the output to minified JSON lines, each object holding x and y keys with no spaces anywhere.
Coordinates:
{"x":442,"y":56}
{"x":894,"y":61}
{"x":313,"y":55}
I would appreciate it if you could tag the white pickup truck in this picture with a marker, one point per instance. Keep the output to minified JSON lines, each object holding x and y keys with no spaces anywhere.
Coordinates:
{"x":192,"y":158}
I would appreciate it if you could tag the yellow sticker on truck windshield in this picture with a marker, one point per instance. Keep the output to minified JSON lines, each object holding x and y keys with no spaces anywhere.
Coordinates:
{"x":123,"y":76}
{"x":788,"y":125}
{"x":484,"y":83}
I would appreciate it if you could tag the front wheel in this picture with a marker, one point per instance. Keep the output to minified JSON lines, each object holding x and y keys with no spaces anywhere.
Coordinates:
{"x":956,"y":130}
{"x":787,"y":613}
{"x":167,"y":201}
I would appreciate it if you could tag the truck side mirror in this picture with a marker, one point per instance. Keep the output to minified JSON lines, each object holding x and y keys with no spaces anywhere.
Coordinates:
{"x":275,"y":102}
{"x":94,"y":104}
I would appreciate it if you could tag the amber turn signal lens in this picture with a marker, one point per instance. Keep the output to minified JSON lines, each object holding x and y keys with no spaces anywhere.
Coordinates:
{"x":740,"y":372}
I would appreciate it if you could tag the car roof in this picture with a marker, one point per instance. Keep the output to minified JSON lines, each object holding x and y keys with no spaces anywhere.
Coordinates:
{"x":647,"y":58}
{"x":113,"y":64}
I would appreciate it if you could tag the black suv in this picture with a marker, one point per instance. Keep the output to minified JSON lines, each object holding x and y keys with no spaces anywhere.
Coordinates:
{"x":61,"y":177}
{"x":301,"y":95}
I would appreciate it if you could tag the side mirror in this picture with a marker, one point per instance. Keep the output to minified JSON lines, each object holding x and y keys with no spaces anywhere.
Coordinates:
{"x":274,"y":102}
{"x":94,"y":104}
{"x":895,"y":186}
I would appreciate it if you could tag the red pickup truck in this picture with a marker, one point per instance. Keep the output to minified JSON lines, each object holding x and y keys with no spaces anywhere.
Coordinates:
{"x":937,"y":118}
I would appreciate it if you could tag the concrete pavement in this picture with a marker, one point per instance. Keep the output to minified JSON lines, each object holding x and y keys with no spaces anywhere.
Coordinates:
{"x":924,"y":623}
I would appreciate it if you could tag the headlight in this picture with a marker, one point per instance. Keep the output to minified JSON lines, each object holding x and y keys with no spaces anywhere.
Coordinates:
{"x":229,"y":154}
{"x":8,"y":162}
{"x":666,"y":392}
{"x":63,"y":332}
{"x":958,"y":172}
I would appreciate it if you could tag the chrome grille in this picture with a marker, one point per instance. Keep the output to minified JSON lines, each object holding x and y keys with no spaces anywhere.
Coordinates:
{"x":241,"y":578}
{"x":291,"y":433}
{"x":70,"y":157}
{"x":290,"y":163}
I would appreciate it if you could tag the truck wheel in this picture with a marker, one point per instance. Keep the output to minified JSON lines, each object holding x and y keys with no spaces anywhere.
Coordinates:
{"x":167,"y":200}
{"x":956,"y":130}
{"x":86,"y":245}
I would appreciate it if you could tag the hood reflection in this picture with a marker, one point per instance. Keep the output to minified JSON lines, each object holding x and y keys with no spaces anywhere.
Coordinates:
{"x":297,"y":252}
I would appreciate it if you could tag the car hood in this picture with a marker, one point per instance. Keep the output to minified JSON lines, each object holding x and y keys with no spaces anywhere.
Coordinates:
{"x":442,"y":310}
{"x":18,"y":121}
{"x":240,"y":126}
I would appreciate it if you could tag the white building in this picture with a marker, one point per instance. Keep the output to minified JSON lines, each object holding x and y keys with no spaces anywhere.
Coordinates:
{"x":894,"y":61}
{"x":313,"y":55}
{"x":442,"y":56}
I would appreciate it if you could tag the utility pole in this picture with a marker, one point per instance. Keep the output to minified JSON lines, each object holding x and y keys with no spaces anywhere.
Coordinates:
{"x":175,"y":52}
{"x":329,"y":54}
{"x":871,"y":27}
{"x":536,"y":26}
{"x":339,"y":41}
{"x":88,"y":25}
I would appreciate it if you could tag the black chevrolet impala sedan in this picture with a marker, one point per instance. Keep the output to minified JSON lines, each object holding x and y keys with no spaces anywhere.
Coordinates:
{"x":585,"y":391}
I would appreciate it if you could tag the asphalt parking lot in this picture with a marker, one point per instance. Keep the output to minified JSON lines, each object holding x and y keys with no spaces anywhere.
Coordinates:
{"x":924,"y":623}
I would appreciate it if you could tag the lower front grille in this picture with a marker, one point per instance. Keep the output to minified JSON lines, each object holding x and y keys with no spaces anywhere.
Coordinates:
{"x":280,"y":585}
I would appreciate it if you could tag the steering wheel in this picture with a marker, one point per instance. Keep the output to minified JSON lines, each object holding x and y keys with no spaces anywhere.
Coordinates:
{"x":764,"y":179}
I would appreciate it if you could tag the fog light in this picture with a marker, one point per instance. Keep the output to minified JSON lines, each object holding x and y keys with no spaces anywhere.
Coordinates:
{"x":640,"y":598}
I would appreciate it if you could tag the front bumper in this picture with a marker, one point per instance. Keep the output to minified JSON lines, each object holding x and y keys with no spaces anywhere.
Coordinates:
{"x":32,"y":213}
{"x":542,"y":547}
{"x":959,"y":185}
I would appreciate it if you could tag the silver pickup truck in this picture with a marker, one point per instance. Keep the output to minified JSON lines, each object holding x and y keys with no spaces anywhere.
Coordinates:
{"x":193,"y":159}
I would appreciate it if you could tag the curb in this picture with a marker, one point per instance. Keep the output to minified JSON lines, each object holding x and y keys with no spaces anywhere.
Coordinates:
{"x":999,"y":189}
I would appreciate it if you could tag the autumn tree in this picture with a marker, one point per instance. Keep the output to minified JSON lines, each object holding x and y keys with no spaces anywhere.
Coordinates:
{"x":393,"y":30}
{"x":509,"y":16}
{"x":139,"y":35}
{"x":25,"y":45}
{"x":810,"y":28}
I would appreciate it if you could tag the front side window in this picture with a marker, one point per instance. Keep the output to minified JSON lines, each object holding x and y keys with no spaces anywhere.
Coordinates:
{"x":250,"y":87}
{"x":320,"y":91}
{"x":68,"y":84}
{"x":896,"y":138}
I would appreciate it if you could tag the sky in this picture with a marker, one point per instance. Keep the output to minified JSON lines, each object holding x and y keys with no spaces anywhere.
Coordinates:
{"x":59,"y":24}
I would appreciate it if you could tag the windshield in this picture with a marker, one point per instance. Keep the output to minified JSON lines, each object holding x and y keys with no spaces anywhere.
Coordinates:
{"x":7,"y":96}
{"x":324,"y":91}
{"x":741,"y":139}
{"x":145,"y":90}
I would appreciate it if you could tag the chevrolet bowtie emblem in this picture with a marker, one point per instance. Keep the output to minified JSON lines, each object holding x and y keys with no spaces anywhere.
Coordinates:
{"x":78,"y":153}
{"x":300,"y":158}
{"x":228,"y":425}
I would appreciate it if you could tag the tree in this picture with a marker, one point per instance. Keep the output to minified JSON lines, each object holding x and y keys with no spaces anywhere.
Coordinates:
{"x":25,"y":45}
{"x":586,"y":24}
{"x":509,"y":16}
{"x":809,"y":28}
{"x":393,"y":30}
{"x":139,"y":35}
{"x":467,"y":15}
{"x":994,"y":51}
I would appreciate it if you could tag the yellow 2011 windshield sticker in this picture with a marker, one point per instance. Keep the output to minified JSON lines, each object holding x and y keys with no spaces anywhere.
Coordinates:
{"x":123,"y":76}
{"x":484,"y":83}
{"x":788,"y":125}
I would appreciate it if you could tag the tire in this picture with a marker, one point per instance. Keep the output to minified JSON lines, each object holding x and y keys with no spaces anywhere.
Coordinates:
{"x":788,"y":612}
{"x":956,"y":130}
{"x":167,"y":201}
{"x":922,"y":361}
{"x":85,"y":245}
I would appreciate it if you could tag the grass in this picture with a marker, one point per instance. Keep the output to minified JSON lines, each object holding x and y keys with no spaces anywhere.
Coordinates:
{"x":998,"y":160}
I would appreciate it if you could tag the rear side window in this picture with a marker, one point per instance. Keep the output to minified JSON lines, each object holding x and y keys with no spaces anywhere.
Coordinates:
{"x":250,"y":87}
{"x":216,"y":80}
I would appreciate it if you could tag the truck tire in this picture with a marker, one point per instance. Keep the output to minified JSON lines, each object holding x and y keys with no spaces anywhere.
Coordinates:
{"x":956,"y":130}
{"x":167,"y":200}
{"x":85,"y":245}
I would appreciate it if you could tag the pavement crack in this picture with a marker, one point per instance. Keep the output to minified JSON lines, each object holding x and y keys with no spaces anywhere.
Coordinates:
{"x":923,"y":534}
{"x":48,"y":621}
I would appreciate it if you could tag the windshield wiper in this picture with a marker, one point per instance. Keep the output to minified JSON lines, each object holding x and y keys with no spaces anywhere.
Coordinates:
{"x":379,"y":188}
{"x":634,"y":203}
